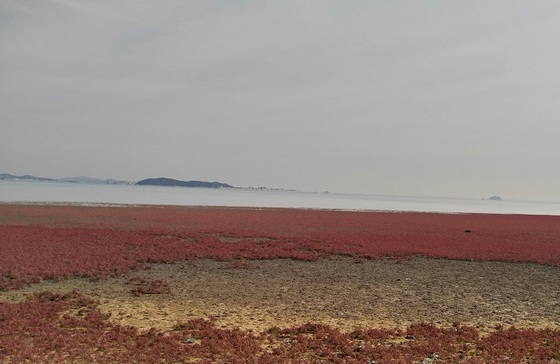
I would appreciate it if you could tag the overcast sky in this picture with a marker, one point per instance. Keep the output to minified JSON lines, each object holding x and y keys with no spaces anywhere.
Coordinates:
{"x":425,"y":98}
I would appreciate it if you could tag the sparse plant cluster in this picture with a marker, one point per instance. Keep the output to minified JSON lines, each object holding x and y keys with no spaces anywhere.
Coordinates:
{"x":143,"y":286}
{"x":70,"y":327}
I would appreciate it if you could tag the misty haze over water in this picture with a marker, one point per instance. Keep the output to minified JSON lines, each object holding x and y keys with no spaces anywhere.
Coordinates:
{"x":54,"y":192}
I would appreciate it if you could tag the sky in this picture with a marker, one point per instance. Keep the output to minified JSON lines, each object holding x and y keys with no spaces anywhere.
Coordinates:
{"x":408,"y":98}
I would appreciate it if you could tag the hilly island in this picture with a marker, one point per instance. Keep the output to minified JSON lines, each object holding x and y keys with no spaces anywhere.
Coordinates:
{"x":176,"y":183}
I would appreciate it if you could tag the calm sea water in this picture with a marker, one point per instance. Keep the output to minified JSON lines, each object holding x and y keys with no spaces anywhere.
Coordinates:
{"x":51,"y":192}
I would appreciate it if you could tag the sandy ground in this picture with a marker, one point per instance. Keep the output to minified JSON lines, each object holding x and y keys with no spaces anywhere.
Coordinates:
{"x":341,"y":291}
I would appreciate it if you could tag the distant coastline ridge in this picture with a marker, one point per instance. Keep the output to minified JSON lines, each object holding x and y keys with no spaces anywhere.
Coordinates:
{"x":159,"y":181}
{"x":81,"y":179}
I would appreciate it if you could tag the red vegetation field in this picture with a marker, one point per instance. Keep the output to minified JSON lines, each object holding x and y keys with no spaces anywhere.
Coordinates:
{"x":56,"y":242}
{"x":38,"y":242}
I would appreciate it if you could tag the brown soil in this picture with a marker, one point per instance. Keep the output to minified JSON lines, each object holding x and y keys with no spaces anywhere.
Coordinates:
{"x":341,"y":292}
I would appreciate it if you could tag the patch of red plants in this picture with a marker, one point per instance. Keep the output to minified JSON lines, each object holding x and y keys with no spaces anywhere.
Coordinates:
{"x":70,"y":328}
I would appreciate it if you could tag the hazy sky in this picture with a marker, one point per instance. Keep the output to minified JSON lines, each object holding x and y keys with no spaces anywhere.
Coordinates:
{"x":429,"y":98}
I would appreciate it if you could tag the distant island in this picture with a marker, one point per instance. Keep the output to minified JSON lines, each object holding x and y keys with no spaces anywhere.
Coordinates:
{"x":162,"y":181}
{"x":495,"y":198}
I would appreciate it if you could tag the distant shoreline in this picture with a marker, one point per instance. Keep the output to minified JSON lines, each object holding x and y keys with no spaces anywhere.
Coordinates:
{"x":253,"y":208}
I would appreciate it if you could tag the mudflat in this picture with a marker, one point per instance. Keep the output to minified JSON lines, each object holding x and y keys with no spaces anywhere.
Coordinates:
{"x":342,"y":292}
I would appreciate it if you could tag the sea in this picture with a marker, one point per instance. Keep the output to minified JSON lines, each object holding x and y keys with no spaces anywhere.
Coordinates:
{"x":122,"y":194}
